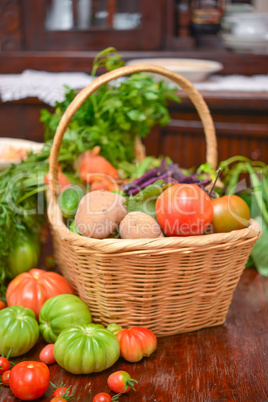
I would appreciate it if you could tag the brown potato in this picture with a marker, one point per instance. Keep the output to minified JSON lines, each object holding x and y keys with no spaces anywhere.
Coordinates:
{"x":99,"y":214}
{"x":138,"y":225}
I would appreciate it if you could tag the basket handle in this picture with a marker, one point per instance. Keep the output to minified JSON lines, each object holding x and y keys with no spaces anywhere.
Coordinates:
{"x":193,"y":94}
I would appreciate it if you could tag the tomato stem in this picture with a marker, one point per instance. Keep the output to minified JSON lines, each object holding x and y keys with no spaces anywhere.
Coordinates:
{"x":130,"y":383}
{"x":116,"y":397}
{"x":215,"y":181}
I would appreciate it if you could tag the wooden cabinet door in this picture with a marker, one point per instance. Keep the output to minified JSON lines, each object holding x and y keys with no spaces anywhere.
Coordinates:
{"x":112,"y":23}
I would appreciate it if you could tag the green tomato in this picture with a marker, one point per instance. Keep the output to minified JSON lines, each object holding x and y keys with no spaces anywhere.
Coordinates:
{"x":114,"y":328}
{"x":69,"y":199}
{"x":62,"y":312}
{"x":230,"y":212}
{"x":85,"y":349}
{"x":73,"y":228}
{"x":19,"y":330}
{"x":24,"y":254}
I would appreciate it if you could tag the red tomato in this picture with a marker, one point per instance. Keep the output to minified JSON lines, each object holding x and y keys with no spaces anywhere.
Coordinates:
{"x":136,"y":342}
{"x":50,"y":262}
{"x":62,"y":391}
{"x":2,"y":305}
{"x":58,"y":399}
{"x":31,"y":289}
{"x":184,"y":210}
{"x":5,"y":378}
{"x":47,"y":354}
{"x":102,"y":397}
{"x":4,"y":364}
{"x":230,"y":213}
{"x":29,"y":380}
{"x":120,"y":381}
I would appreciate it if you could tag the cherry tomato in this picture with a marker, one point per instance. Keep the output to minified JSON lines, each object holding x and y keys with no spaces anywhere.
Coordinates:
{"x":230,"y":213}
{"x":4,"y":364}
{"x":120,"y":381}
{"x":5,"y":378}
{"x":184,"y":210}
{"x":2,"y":304}
{"x":58,"y":399}
{"x":50,"y":262}
{"x":47,"y":355}
{"x":102,"y":397}
{"x":29,"y":380}
{"x":62,"y":391}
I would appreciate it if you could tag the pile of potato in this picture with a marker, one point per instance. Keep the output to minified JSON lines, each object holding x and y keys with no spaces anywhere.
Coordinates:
{"x":101,"y":213}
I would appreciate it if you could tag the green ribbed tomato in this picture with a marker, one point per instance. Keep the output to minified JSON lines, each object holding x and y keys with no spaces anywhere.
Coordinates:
{"x":85,"y":349}
{"x":62,"y":312}
{"x":18,"y":330}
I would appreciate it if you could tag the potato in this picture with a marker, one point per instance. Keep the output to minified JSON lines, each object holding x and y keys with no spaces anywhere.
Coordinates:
{"x":99,"y":213}
{"x":138,"y":225}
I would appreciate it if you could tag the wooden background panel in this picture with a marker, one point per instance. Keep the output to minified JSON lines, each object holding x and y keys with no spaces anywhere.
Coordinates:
{"x":241,"y":131}
{"x":22,"y":120}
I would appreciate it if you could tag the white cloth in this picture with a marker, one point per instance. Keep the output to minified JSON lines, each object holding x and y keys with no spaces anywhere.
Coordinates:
{"x":255,"y":83}
{"x":49,"y":87}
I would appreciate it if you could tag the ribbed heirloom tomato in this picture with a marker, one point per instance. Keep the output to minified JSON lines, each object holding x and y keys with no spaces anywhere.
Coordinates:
{"x":136,"y":342}
{"x":31,"y":289}
{"x":184,"y":210}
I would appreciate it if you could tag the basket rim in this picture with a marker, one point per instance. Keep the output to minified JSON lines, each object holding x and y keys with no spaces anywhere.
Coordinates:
{"x":123,"y":245}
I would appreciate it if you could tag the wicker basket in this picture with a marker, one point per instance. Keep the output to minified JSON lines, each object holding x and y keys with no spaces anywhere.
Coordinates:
{"x":170,"y":285}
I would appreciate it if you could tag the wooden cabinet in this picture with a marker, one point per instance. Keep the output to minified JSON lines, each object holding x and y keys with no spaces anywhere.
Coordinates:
{"x":164,"y":30}
{"x":241,"y":122}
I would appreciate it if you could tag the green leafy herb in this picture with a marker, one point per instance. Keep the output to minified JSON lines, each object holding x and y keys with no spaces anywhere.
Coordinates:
{"x":113,"y":116}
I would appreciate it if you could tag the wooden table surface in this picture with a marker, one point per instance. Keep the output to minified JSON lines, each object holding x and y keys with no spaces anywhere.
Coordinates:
{"x":225,"y":363}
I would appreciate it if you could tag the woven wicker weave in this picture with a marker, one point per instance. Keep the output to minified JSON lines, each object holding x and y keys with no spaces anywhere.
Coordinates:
{"x":169,"y":285}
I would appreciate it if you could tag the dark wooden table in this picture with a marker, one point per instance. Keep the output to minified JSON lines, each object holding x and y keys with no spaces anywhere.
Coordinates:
{"x":225,"y":363}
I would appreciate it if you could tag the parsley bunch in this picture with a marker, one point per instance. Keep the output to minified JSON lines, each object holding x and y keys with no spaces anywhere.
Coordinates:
{"x":113,"y":116}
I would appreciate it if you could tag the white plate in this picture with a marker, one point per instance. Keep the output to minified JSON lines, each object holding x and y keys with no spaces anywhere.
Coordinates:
{"x":194,"y":70}
{"x":18,"y":143}
{"x":242,"y":43}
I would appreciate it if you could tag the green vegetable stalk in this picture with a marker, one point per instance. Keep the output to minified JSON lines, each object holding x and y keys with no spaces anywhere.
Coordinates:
{"x":236,"y":172}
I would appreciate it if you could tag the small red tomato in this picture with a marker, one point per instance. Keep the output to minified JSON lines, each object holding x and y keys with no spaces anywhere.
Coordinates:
{"x":29,"y":380}
{"x":5,"y":378}
{"x":184,"y":210}
{"x":47,"y":354}
{"x":120,"y":381}
{"x":62,"y":391}
{"x":58,"y":399}
{"x":103,"y":397}
{"x":4,"y":364}
{"x":136,"y":342}
{"x":2,"y":304}
{"x":50,"y":262}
